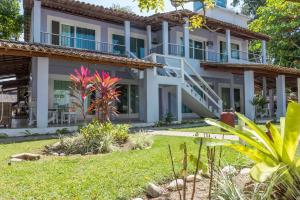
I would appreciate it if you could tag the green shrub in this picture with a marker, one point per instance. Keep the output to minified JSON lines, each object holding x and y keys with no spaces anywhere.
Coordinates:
{"x":120,"y":133}
{"x":140,"y":141}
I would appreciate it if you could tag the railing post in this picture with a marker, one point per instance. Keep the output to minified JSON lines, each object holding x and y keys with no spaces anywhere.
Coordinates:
{"x":182,"y":69}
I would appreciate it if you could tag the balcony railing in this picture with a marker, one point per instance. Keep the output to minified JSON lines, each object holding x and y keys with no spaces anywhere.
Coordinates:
{"x":209,"y":55}
{"x":81,"y":43}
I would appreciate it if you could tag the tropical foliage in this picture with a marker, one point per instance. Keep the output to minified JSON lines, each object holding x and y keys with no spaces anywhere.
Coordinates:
{"x":11,"y":21}
{"x":105,"y":86}
{"x":280,"y":20}
{"x":81,"y":88}
{"x":275,"y":154}
{"x":196,"y":21}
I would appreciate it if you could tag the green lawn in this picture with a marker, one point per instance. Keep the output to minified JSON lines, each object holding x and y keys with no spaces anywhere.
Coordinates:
{"x":209,"y":129}
{"x":119,"y":175}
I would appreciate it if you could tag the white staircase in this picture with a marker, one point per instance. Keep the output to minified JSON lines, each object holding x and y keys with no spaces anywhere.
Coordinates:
{"x":196,"y":92}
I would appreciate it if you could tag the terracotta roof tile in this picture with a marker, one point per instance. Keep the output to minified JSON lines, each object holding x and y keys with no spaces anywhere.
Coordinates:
{"x":42,"y":50}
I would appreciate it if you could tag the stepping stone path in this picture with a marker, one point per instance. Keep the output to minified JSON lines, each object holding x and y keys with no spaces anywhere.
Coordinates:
{"x":24,"y":157}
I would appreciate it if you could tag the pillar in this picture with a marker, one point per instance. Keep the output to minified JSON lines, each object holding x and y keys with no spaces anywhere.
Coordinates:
{"x":298,"y":88}
{"x":127,"y":36}
{"x":179,"y":103}
{"x":42,"y":64}
{"x":165,"y":37}
{"x":149,"y":39}
{"x":152,"y":97}
{"x":232,"y":92}
{"x":281,"y":96}
{"x":228,"y":45}
{"x":37,"y":21}
{"x":264,"y":51}
{"x":186,"y":39}
{"x":271,"y":102}
{"x":264,"y":83}
{"x":249,"y":94}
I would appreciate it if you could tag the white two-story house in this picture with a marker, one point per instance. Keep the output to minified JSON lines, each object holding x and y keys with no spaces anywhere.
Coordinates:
{"x":164,"y":66}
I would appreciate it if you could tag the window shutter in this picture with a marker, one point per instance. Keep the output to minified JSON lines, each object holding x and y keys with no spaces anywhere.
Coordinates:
{"x":55,"y":33}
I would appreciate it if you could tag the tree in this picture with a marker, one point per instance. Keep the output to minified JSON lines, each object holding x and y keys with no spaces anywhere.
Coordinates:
{"x":249,"y":7}
{"x":11,"y":21}
{"x":118,"y":7}
{"x":196,"y":21}
{"x":280,"y":20}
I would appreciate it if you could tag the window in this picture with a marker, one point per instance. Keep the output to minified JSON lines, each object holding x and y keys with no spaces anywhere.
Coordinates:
{"x":197,"y":49}
{"x":235,"y":54}
{"x":235,"y":51}
{"x":137,"y":46}
{"x":118,"y":44}
{"x":67,"y":35}
{"x":225,"y":94}
{"x":129,"y":99}
{"x":71,"y":36}
{"x":61,"y":94}
{"x":85,"y":38}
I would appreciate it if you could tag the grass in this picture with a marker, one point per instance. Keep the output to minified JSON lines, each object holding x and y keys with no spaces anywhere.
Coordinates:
{"x":210,"y":129}
{"x":119,"y":175}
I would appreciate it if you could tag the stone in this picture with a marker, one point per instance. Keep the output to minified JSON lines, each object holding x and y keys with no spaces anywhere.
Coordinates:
{"x":137,"y":199}
{"x":245,"y":171}
{"x":242,"y":181}
{"x":27,"y":156}
{"x":190,"y":178}
{"x":228,"y":170}
{"x":172,"y":185}
{"x":62,"y":154}
{"x":16,"y":160}
{"x":55,"y":154}
{"x":154,"y":191}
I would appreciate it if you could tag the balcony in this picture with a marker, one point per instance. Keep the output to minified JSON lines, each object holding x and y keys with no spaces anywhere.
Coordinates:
{"x":81,"y":43}
{"x":209,"y":55}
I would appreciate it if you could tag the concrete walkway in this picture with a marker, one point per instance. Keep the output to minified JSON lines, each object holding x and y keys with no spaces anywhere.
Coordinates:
{"x":191,"y":134}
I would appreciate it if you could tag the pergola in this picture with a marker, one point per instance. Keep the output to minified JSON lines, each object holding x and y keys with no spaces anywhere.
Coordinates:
{"x":266,"y":79}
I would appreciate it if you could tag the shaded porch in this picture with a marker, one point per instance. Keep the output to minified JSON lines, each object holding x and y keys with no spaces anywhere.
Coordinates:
{"x":276,"y":84}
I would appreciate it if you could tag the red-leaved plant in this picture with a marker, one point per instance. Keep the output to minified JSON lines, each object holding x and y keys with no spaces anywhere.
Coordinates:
{"x":106,"y":88}
{"x":81,"y":85}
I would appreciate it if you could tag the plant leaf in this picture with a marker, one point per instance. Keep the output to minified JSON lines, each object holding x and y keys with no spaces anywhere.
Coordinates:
{"x":291,"y":132}
{"x":253,"y":154}
{"x":277,"y":139}
{"x":238,"y":133}
{"x":259,"y":134}
{"x":261,"y":171}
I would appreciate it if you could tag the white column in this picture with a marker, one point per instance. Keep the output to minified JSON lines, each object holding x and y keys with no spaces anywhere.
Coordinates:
{"x":281,"y":96}
{"x":264,"y":83}
{"x":232,"y":92}
{"x":127,"y":36}
{"x":298,"y":88}
{"x":249,"y":94}
{"x":37,"y":21}
{"x":179,"y":103}
{"x":271,"y":102}
{"x":152,"y":99}
{"x":264,"y":51}
{"x":186,"y":39}
{"x":228,"y":44}
{"x":165,"y":37}
{"x":149,"y":39}
{"x":42,"y":64}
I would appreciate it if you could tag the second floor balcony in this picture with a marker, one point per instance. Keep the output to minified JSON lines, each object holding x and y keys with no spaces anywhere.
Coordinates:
{"x":83,"y":43}
{"x":205,"y":55}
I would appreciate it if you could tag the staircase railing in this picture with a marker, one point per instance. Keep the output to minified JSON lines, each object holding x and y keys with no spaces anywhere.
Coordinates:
{"x":179,"y":68}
